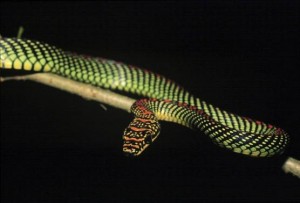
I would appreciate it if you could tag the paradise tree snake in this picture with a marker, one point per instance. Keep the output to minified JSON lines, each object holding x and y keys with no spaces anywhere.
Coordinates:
{"x":166,"y":100}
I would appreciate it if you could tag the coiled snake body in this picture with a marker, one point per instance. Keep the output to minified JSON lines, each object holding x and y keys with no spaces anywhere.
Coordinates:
{"x":167,"y":100}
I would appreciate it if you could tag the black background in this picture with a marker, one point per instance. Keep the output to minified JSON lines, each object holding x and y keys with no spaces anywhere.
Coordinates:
{"x":241,"y":56}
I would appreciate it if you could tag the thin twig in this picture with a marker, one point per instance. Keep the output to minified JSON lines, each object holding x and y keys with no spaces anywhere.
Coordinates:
{"x":20,"y":32}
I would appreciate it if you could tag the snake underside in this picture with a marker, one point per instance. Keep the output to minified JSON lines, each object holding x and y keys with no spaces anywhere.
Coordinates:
{"x":167,"y":100}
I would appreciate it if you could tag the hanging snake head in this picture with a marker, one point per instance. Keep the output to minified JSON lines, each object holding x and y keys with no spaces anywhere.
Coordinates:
{"x":139,"y":135}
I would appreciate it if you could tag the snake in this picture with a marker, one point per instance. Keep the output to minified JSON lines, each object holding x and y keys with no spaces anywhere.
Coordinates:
{"x":161,"y":99}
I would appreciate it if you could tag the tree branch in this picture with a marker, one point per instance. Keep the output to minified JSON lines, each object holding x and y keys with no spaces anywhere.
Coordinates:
{"x":292,"y":166}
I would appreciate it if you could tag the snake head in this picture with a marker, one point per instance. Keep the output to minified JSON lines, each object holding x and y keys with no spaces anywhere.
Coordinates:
{"x":139,"y":135}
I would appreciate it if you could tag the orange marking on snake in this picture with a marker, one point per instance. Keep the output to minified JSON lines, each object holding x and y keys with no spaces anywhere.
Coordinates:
{"x":147,"y":112}
{"x":200,"y":111}
{"x":133,"y":139}
{"x":144,"y":120}
{"x":258,"y":122}
{"x":138,"y":129}
{"x":144,"y":110}
{"x":193,"y":108}
{"x":182,"y":104}
{"x":131,"y":145}
{"x":278,"y":131}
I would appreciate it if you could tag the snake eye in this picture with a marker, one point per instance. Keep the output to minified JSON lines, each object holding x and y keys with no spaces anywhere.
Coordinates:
{"x":148,"y":139}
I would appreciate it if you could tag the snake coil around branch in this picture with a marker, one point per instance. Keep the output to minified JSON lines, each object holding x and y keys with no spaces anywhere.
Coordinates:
{"x":167,"y":100}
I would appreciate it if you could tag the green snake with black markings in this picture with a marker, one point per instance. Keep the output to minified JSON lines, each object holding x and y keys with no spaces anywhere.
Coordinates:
{"x":164,"y":99}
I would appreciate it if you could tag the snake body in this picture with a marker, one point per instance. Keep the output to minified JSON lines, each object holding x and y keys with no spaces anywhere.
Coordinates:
{"x":166,"y":100}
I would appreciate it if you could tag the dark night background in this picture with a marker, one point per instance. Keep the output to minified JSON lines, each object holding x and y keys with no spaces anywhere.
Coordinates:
{"x":243,"y":57}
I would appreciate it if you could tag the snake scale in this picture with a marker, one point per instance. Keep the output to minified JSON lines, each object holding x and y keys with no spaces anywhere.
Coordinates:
{"x":163,"y":99}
